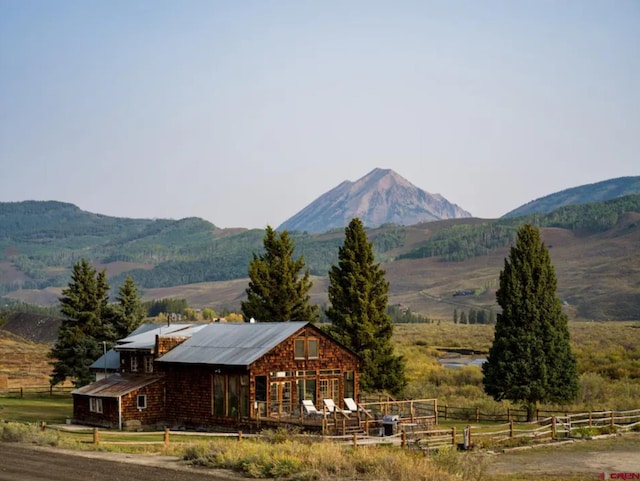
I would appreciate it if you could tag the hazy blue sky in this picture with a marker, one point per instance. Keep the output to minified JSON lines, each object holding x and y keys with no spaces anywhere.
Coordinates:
{"x":244,"y":112}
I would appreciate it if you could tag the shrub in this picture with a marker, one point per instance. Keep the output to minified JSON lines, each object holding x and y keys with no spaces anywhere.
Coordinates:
{"x":28,"y":433}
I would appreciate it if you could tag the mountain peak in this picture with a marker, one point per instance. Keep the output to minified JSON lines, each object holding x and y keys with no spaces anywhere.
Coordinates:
{"x":382,"y":196}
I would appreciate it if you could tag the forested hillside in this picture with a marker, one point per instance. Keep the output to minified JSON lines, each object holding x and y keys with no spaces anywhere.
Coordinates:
{"x":40,"y":241}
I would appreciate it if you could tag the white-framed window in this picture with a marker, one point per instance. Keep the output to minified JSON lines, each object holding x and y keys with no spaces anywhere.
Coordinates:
{"x":134,"y":364}
{"x":95,"y":405}
{"x":148,"y":364}
{"x":142,"y":401}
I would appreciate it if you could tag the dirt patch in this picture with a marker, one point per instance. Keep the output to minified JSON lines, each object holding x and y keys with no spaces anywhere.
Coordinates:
{"x":619,"y":454}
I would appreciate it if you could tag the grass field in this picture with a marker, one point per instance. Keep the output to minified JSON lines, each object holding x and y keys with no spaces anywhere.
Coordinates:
{"x":50,"y":409}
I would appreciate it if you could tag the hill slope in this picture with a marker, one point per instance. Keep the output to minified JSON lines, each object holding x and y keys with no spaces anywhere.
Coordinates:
{"x":600,"y":191}
{"x":380,"y":197}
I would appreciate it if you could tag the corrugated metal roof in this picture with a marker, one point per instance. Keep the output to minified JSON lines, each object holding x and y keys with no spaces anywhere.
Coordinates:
{"x":232,"y":344}
{"x":147,"y":339}
{"x":111,"y":362}
{"x":116,"y":385}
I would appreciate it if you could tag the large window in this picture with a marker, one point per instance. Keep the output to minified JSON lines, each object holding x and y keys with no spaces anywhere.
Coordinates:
{"x":230,"y":395}
{"x":142,"y":401}
{"x":306,"y":390}
{"x":134,"y":364}
{"x":95,"y":405}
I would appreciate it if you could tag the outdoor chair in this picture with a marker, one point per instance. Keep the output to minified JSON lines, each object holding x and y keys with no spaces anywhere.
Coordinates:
{"x":309,"y":408}
{"x":332,"y":408}
{"x":354,"y":408}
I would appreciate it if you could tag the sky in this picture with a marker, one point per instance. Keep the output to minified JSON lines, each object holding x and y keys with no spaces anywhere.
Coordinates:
{"x":244,"y":112}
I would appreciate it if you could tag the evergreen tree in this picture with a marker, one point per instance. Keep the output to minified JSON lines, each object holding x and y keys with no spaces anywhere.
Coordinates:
{"x":530,"y":360}
{"x":455,"y":316}
{"x":84,"y":327}
{"x":128,"y":313}
{"x":276,"y":290}
{"x":358,"y":294}
{"x":463,"y":317}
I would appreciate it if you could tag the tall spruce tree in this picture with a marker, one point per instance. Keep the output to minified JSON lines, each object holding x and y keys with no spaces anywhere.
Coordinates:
{"x":84,"y":327}
{"x":128,"y":312}
{"x":277,"y":291}
{"x":358,"y":294}
{"x":530,"y":360}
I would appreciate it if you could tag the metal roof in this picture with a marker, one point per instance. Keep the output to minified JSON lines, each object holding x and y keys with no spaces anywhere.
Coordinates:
{"x":116,"y":385}
{"x":147,"y":339}
{"x":232,"y":344}
{"x":110,"y":360}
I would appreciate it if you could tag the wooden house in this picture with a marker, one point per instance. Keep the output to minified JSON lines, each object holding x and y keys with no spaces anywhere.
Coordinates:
{"x":237,"y":373}
{"x":135,"y":395}
{"x":220,"y":374}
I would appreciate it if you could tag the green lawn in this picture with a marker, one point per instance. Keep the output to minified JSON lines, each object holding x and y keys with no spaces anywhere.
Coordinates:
{"x":51,"y":409}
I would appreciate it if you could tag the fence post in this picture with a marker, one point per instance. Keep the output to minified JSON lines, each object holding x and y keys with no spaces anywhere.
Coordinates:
{"x":612,"y":418}
{"x":239,"y":436}
{"x":477,"y":414}
{"x":467,"y":437}
{"x":96,"y":436}
{"x":537,"y":414}
{"x":21,"y":393}
{"x":355,"y":440}
{"x":510,"y":428}
{"x":404,"y":439}
{"x":590,"y":419}
{"x":553,"y":427}
{"x":509,"y":413}
{"x":453,"y":436}
{"x":166,"y":438}
{"x":445,"y":411}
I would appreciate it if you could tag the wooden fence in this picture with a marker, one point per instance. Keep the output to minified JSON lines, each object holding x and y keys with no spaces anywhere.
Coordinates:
{"x":27,"y":391}
{"x":409,"y":435}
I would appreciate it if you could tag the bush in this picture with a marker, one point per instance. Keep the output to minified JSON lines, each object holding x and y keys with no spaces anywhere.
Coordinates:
{"x":28,"y":433}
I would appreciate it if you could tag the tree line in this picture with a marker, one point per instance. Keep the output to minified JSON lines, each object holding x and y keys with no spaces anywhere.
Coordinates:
{"x":530,"y":360}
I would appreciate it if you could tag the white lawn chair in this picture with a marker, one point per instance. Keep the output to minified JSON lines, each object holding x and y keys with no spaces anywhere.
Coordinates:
{"x":354,"y":408}
{"x":332,"y":408}
{"x":309,"y":408}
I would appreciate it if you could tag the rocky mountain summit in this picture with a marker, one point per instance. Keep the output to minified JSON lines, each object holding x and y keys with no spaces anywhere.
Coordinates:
{"x":380,"y":197}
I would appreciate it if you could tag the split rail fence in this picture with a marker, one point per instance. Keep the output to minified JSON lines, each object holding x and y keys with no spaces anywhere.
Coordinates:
{"x":409,"y":436}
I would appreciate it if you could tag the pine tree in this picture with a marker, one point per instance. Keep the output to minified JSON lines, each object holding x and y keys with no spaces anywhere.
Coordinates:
{"x":276,"y":290}
{"x":358,"y":294}
{"x":84,"y":327}
{"x":455,"y":316}
{"x":128,"y":313}
{"x":530,"y":360}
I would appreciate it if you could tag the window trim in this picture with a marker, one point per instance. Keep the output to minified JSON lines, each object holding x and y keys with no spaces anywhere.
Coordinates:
{"x":95,"y":405}
{"x":143,"y":398}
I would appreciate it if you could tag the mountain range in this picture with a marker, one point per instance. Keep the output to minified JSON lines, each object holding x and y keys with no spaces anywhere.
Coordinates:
{"x":595,"y":248}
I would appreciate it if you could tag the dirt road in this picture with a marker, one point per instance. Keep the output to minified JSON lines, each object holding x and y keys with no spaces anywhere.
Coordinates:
{"x":29,"y":463}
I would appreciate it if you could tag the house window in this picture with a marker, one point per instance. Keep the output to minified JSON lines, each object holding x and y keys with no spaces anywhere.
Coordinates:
{"x":142,"y":401}
{"x":329,"y":389}
{"x":312,"y":348}
{"x":349,"y":384}
{"x":134,"y":364}
{"x":148,"y":364}
{"x":306,"y":389}
{"x":306,"y":349}
{"x":95,"y":405}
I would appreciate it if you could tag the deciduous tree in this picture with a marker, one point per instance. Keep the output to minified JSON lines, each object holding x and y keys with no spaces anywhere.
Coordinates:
{"x":358,"y":292}
{"x":530,"y":360}
{"x":277,"y":290}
